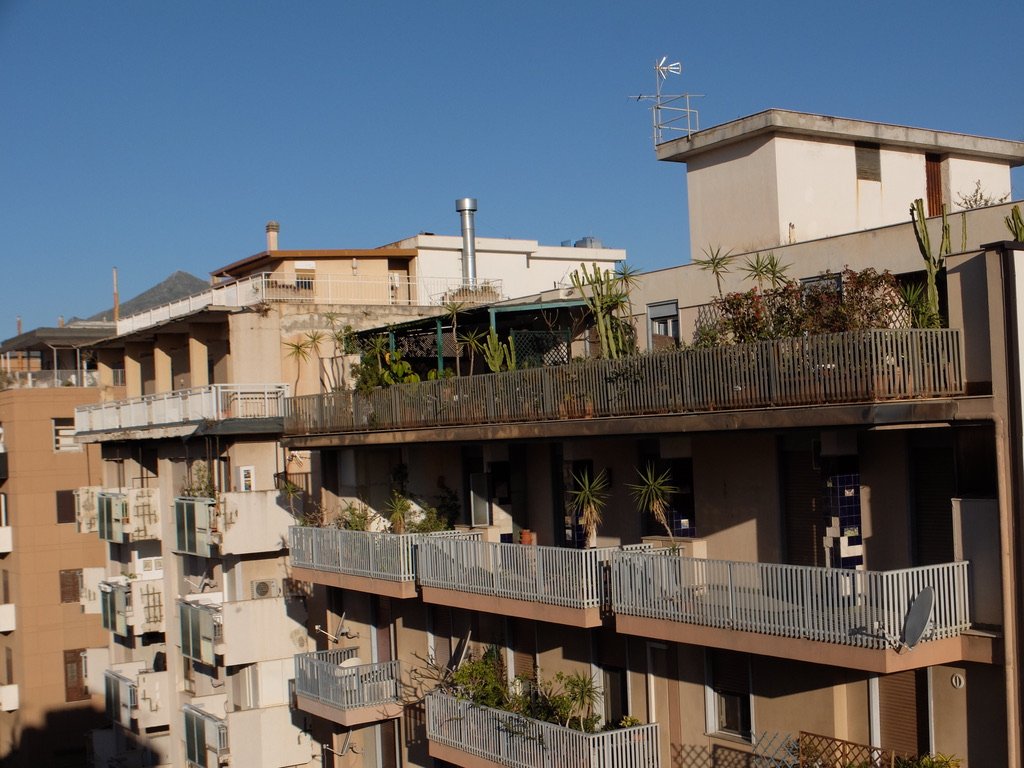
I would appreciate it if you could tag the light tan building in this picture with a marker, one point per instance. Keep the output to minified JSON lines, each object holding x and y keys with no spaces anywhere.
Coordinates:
{"x":196,"y":496}
{"x":846,"y":525}
{"x":53,"y":653}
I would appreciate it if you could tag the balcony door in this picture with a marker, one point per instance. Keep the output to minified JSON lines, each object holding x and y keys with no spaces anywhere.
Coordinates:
{"x":803,"y":503}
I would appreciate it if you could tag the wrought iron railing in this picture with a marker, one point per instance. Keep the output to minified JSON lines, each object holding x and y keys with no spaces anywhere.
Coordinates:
{"x":522,"y":742}
{"x":833,"y":605}
{"x":372,"y":554}
{"x":572,"y":578}
{"x":831,"y":368}
{"x":330,"y":678}
{"x":211,"y":403}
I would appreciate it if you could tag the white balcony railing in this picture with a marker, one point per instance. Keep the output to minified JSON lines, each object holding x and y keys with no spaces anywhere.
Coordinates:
{"x":522,"y":742}
{"x":8,"y":617}
{"x":212,"y":403}
{"x":385,"y":290}
{"x":832,"y":605}
{"x":9,"y":697}
{"x":573,"y":578}
{"x":371,"y":554}
{"x":337,"y":679}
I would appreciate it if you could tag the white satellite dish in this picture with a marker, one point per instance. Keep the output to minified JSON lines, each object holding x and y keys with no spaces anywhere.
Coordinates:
{"x":918,"y":617}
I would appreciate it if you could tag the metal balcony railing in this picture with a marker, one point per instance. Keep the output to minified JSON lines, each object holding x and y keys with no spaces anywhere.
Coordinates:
{"x":832,"y":368}
{"x":832,"y":605}
{"x":212,"y":403}
{"x":50,"y":378}
{"x":573,"y":578}
{"x":513,"y":740}
{"x":371,"y":554}
{"x":383,"y":290}
{"x":331,"y":678}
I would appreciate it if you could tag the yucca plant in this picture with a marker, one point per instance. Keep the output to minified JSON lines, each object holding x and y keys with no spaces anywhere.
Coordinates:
{"x":715,"y":262}
{"x":653,"y":494}
{"x":587,"y":501}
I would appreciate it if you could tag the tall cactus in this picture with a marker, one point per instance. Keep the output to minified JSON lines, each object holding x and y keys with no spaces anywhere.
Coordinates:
{"x":604,"y":294}
{"x":932,"y":263}
{"x":1015,"y":224}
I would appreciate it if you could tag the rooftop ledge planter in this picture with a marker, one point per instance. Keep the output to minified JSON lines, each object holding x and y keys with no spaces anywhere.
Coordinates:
{"x":456,"y":727}
{"x":856,"y":366}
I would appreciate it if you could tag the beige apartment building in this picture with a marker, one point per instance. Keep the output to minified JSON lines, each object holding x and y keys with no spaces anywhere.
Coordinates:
{"x":843,"y":574}
{"x":196,"y":497}
{"x":53,"y":653}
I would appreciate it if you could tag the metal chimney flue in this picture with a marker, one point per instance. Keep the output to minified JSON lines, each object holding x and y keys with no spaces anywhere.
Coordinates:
{"x":466,"y":207}
{"x":272,"y":229}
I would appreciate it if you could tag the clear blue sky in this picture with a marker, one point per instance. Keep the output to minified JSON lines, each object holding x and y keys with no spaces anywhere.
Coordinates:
{"x":156,"y":136}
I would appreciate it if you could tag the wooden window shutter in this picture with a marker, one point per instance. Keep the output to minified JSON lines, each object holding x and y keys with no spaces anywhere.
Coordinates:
{"x":70,"y":586}
{"x":730,"y":672}
{"x":933,"y":183}
{"x":74,"y":676}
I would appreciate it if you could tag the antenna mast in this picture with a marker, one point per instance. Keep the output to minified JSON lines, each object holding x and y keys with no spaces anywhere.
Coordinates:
{"x":671,"y":112}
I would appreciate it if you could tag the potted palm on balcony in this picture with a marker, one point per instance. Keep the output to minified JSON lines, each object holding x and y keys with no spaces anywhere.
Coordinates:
{"x":587,"y":502}
{"x":654,"y":494}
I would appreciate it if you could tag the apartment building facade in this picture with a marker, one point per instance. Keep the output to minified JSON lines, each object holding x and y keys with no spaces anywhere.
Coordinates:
{"x":844,"y":561}
{"x":196,"y":496}
{"x":54,"y":652}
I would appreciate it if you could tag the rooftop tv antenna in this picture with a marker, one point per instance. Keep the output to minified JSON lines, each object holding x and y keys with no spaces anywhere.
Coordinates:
{"x":671,"y":113}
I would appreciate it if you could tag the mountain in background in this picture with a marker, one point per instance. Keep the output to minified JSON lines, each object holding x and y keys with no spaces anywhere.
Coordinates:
{"x":177,"y":286}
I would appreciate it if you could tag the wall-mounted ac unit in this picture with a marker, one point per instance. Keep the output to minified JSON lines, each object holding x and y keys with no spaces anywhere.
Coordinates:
{"x":262,"y":588}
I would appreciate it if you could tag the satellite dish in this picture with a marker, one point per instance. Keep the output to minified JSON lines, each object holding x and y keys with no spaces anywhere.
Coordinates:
{"x":918,"y":617}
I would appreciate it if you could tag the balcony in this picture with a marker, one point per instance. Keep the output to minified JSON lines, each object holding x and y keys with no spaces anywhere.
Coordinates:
{"x":86,"y":508}
{"x":213,"y":630}
{"x":195,"y":525}
{"x":216,"y":402}
{"x":385,"y":290}
{"x":125,"y":516}
{"x":861,"y":366}
{"x":48,"y":379}
{"x":365,"y":561}
{"x":251,"y":522}
{"x":834,"y":616}
{"x":555,"y":584}
{"x":132,"y":607}
{"x":206,"y":738}
{"x":336,"y":685}
{"x":464,"y":733}
{"x":9,"y":699}
{"x":6,"y":531}
{"x":8,"y":621}
{"x":137,"y":698}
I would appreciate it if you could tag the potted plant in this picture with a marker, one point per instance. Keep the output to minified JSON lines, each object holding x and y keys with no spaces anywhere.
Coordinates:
{"x":587,"y":502}
{"x":653,"y":494}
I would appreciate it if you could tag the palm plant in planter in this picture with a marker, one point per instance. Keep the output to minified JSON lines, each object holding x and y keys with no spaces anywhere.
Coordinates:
{"x":587,"y":501}
{"x":653,"y":494}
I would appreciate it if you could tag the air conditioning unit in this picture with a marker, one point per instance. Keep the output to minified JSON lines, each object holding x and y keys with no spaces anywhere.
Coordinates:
{"x":262,"y":588}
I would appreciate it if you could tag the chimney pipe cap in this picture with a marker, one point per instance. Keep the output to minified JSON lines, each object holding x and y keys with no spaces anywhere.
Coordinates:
{"x":465,"y":204}
{"x":273,"y":226}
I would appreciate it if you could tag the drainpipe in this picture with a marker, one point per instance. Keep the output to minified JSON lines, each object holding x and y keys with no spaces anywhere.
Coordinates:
{"x":440,"y":347}
{"x":466,"y":207}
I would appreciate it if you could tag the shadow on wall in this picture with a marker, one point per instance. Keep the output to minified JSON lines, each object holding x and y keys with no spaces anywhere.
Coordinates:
{"x":59,"y":743}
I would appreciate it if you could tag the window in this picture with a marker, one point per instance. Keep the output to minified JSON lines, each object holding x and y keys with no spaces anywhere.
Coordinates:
{"x":3,"y":510}
{"x":66,"y":507}
{"x":74,"y":675}
{"x":728,"y":693}
{"x":663,"y":325}
{"x":192,"y":526}
{"x":64,"y":436}
{"x":933,"y":183}
{"x":869,"y":162}
{"x":200,"y":631}
{"x":71,"y":585}
{"x":195,"y":739}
